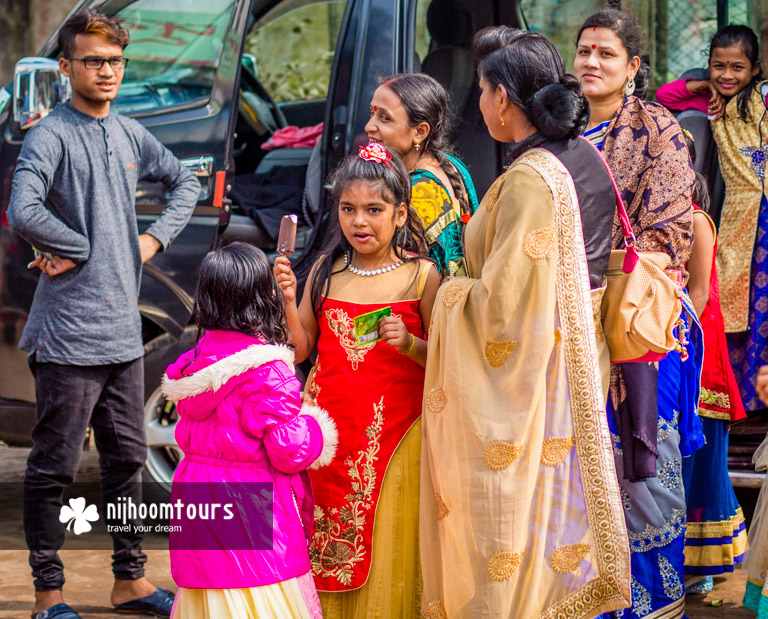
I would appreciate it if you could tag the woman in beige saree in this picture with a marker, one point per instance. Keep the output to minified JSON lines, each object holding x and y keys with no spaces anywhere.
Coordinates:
{"x":521,"y":514}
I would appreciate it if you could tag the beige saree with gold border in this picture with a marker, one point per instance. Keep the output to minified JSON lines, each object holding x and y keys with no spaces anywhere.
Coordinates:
{"x":520,"y":511}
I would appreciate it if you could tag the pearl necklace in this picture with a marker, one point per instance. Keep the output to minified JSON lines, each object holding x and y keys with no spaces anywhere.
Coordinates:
{"x":365,"y":273}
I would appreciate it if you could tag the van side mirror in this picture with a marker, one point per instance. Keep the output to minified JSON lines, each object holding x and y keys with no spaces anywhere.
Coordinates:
{"x":38,"y":86}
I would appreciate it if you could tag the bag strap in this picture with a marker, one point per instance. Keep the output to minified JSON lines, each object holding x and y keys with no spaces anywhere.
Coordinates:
{"x":629,"y":235}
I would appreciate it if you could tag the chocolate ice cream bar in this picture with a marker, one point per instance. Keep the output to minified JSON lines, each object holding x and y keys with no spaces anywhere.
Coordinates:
{"x":286,"y":241}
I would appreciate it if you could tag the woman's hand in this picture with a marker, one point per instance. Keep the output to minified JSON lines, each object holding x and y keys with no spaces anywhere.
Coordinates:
{"x":285,"y":278}
{"x":762,"y":384}
{"x":392,"y":330}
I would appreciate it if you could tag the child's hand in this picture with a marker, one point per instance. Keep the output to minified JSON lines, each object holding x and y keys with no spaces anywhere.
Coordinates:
{"x":392,"y":330}
{"x":762,"y":384}
{"x":716,"y":107}
{"x":285,"y":278}
{"x":695,"y":86}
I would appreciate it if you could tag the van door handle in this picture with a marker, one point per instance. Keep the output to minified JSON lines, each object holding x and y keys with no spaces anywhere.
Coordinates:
{"x":199,"y":166}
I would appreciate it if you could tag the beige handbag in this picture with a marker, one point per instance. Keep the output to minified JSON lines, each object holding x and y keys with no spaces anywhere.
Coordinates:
{"x":643,"y":299}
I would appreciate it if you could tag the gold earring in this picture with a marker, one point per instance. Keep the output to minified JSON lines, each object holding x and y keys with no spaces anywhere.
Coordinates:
{"x":417,"y":146}
{"x":501,"y":118}
{"x":629,"y":86}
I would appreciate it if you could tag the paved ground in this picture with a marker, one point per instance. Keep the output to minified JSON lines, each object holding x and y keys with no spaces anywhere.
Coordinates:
{"x":89,"y":578}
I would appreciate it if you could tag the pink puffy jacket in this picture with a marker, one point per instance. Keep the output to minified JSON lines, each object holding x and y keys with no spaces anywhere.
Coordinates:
{"x":241,"y":420}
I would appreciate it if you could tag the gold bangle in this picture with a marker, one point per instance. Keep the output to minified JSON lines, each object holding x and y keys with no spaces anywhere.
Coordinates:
{"x":413,"y":343}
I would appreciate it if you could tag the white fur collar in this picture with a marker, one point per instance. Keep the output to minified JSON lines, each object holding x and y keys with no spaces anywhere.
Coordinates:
{"x":215,"y":375}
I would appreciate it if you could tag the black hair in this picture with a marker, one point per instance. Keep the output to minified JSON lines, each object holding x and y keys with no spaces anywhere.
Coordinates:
{"x":236,"y":291}
{"x":700,"y":187}
{"x":425,"y":101}
{"x":395,"y":186}
{"x":629,"y":32}
{"x":531,"y":71}
{"x":746,"y":39}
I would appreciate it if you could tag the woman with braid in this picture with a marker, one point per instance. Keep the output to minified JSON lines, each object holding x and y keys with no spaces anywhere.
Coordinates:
{"x":409,"y":113}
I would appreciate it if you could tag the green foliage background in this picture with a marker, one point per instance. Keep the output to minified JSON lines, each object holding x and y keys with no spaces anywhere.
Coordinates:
{"x":295,"y":51}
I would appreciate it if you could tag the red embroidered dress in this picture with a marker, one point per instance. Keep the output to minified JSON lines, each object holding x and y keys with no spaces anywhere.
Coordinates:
{"x":374,"y":394}
{"x":720,"y":398}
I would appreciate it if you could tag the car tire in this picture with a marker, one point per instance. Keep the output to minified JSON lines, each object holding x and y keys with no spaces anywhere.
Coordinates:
{"x":159,"y":415}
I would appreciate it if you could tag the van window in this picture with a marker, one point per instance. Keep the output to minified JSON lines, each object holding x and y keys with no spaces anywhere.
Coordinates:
{"x":174,"y":51}
{"x":559,"y":21}
{"x":294,"y":46}
{"x":421,"y":39}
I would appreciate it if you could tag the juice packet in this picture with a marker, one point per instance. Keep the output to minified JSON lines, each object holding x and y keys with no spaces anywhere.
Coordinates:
{"x":367,"y":326}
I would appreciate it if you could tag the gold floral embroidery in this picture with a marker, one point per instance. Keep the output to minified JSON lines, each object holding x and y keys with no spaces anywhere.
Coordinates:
{"x":609,"y":589}
{"x":499,"y":455}
{"x":313,"y":389}
{"x":453,"y":294}
{"x":435,"y":400}
{"x":435,"y":610}
{"x":558,"y":336}
{"x":537,"y":243}
{"x":566,"y":559}
{"x":337,"y":544}
{"x":597,"y":318}
{"x":716,"y":398}
{"x":556,"y":449}
{"x":493,"y":193}
{"x":497,"y":353}
{"x":504,"y":564}
{"x":344,"y":328}
{"x":442,"y":508}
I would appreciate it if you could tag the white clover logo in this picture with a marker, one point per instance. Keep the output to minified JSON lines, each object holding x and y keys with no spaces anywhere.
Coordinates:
{"x":78,"y":513}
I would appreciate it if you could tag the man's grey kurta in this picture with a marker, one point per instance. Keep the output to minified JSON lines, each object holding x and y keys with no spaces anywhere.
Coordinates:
{"x":74,"y":193}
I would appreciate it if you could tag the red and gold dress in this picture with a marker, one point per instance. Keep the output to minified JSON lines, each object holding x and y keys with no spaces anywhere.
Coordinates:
{"x":720,"y":398}
{"x":364,"y":549}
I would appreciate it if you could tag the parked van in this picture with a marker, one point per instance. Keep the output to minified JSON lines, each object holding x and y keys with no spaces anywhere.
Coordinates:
{"x":213,"y":80}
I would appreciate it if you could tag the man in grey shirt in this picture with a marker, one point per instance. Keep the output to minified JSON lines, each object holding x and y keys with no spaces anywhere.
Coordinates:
{"x":73,"y":199}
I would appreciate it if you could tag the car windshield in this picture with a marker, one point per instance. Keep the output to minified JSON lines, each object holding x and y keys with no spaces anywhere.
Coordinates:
{"x":174,"y":51}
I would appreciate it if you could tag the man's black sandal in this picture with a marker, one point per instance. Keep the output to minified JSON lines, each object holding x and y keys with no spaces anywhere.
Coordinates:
{"x":57,"y":611}
{"x":158,"y":604}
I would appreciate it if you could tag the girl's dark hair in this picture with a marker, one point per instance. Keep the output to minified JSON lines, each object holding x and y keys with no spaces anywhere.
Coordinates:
{"x":395,"y":186}
{"x":631,"y":36}
{"x":701,"y":187}
{"x":425,"y":101}
{"x":531,"y":71}
{"x":236,"y":291}
{"x":746,"y":39}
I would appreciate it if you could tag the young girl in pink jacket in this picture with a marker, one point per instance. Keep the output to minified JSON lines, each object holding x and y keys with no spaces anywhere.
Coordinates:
{"x":241,"y":423}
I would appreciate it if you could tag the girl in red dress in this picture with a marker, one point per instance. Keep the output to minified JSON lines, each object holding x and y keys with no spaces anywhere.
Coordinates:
{"x":716,"y":538}
{"x":364,"y":550}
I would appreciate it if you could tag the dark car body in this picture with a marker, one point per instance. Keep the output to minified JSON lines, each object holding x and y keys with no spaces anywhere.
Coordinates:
{"x":193,"y":82}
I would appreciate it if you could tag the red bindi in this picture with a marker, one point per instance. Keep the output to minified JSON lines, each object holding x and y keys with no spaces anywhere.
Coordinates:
{"x":374,"y":108}
{"x":594,"y":28}
{"x":593,"y":47}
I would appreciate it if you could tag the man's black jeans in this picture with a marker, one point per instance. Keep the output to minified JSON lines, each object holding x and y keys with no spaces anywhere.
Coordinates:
{"x":110,"y":398}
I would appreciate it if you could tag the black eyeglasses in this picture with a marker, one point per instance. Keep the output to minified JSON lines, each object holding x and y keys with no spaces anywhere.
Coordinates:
{"x":118,"y":63}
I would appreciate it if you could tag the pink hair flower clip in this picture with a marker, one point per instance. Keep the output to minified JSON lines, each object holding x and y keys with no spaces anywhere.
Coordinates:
{"x":375,"y":152}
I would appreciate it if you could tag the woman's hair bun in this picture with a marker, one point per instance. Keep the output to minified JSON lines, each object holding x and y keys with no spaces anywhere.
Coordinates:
{"x":559,"y":111}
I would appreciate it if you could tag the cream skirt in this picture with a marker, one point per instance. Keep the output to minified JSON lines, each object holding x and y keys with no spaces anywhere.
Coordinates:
{"x":290,"y":599}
